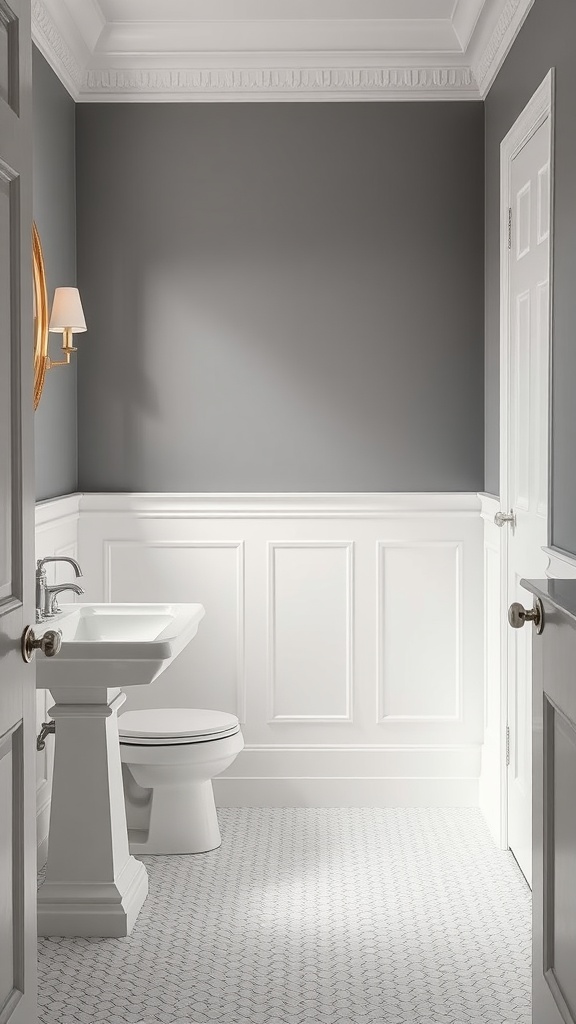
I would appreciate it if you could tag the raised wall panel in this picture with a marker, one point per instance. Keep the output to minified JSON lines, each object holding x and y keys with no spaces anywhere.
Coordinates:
{"x":419,"y":631}
{"x":208,"y":573}
{"x":310,"y":631}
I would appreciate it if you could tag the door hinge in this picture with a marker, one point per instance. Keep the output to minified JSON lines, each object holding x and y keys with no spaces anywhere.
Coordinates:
{"x":507,"y":745}
{"x":509,"y":227}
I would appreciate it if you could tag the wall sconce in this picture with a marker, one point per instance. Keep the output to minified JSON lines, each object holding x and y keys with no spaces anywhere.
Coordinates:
{"x":67,"y":319}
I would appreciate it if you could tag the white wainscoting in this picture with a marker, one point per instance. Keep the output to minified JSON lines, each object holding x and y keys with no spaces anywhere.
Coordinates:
{"x":493,"y":773}
{"x":56,"y":534}
{"x":346,"y":631}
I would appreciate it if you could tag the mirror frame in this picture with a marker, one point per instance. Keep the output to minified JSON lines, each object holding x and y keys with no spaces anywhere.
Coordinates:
{"x":40,"y":317}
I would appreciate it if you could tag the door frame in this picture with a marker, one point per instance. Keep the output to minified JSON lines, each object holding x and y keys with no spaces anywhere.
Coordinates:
{"x":537,"y":111}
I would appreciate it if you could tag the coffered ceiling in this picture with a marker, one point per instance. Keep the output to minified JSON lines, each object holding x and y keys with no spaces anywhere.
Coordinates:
{"x":223,"y":50}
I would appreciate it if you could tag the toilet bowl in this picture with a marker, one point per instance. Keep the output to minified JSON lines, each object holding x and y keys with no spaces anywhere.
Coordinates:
{"x":169,"y":758}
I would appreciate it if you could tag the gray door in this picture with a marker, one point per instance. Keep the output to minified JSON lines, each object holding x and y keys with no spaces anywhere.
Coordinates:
{"x":17,"y":680}
{"x":554,"y":821}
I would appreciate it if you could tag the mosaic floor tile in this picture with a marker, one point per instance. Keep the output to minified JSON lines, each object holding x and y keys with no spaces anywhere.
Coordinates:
{"x":342,"y":916}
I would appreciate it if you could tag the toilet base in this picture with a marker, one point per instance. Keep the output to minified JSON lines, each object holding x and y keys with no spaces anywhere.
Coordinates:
{"x":182,"y":820}
{"x":168,"y":794}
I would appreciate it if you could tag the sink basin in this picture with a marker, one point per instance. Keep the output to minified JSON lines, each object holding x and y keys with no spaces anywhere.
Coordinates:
{"x":115,"y":645}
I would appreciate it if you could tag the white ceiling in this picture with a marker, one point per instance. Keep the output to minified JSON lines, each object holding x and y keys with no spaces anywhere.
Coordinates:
{"x":124,"y":50}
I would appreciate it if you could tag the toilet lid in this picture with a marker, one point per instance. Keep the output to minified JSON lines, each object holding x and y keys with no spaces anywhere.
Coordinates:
{"x":175,"y":725}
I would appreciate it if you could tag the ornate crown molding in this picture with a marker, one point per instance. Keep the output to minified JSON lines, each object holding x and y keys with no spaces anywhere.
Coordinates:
{"x":55,"y":32}
{"x":493,"y":56}
{"x":51,"y":43}
{"x":279,"y":83}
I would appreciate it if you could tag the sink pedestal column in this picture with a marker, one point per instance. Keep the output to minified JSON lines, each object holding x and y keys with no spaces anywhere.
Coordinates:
{"x":93,"y":886}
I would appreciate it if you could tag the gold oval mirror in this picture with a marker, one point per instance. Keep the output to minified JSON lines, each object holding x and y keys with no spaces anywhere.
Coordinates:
{"x":40,"y":316}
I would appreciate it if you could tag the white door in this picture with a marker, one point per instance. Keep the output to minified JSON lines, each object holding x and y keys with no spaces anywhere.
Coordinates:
{"x":17,"y":680}
{"x":524,"y":487}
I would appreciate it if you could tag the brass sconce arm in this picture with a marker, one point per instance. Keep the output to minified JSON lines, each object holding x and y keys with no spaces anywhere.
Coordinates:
{"x":67,"y":348}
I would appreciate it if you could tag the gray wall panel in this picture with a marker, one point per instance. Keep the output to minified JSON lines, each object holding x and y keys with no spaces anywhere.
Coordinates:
{"x":55,"y":216}
{"x":281,"y":297}
{"x":546,"y":40}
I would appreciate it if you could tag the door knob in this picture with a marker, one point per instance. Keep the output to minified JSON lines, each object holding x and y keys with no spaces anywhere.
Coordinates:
{"x":505,"y":517}
{"x":50,"y":643}
{"x":518,"y":615}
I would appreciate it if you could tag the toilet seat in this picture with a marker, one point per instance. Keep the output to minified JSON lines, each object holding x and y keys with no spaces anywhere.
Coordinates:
{"x":166,"y":726}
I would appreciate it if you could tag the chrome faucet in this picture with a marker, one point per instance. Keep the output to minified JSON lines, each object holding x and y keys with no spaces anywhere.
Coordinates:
{"x":46,"y":603}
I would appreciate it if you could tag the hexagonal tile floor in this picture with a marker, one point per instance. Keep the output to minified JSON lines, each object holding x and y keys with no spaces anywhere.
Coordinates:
{"x":342,"y":916}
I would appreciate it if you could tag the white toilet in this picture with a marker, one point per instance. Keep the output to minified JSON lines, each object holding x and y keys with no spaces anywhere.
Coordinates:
{"x":169,"y":758}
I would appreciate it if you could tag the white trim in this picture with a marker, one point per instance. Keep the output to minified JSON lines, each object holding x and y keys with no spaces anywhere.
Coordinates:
{"x":54,"y":510}
{"x":561,"y":565}
{"x":498,"y":46}
{"x":489,"y":506}
{"x":70,"y":35}
{"x":345,"y":791}
{"x":350,"y":748}
{"x":537,"y":111}
{"x":54,"y":44}
{"x":276,"y":83}
{"x":157,"y":505}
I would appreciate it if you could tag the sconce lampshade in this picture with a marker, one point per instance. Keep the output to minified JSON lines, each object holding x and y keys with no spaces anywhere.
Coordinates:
{"x":67,"y":312}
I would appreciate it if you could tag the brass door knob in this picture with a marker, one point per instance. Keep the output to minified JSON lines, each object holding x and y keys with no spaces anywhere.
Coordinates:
{"x":518,"y":615}
{"x":50,"y":643}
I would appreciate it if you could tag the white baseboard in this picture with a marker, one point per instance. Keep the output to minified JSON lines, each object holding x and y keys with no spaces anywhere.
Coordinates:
{"x":345,"y":792}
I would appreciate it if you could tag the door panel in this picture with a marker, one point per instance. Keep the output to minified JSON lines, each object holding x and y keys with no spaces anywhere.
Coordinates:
{"x":554,"y":836}
{"x":11,"y":869}
{"x":526,"y":482}
{"x":17,"y":680}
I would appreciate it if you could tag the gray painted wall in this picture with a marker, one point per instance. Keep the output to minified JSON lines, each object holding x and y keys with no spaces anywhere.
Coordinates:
{"x":546,"y":40}
{"x":55,"y":216}
{"x":281,"y":297}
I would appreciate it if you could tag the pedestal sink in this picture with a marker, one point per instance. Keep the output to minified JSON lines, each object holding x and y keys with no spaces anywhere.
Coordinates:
{"x":93,"y":886}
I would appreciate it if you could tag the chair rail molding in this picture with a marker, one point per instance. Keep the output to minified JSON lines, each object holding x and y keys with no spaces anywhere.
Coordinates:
{"x":345,"y":630}
{"x":178,"y":58}
{"x":561,"y":564}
